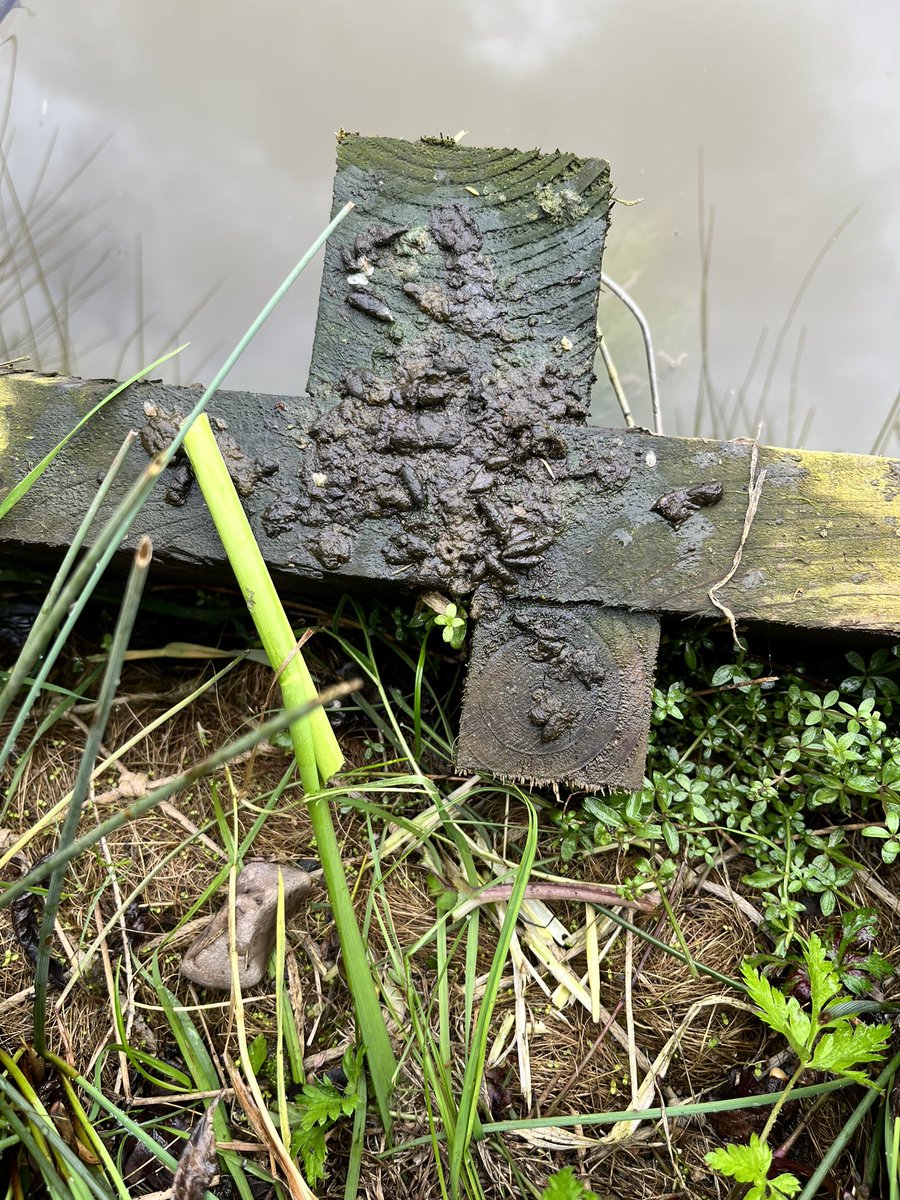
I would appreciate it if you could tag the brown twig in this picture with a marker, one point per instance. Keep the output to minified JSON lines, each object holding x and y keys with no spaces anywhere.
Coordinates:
{"x":588,"y":893}
{"x":730,"y":687}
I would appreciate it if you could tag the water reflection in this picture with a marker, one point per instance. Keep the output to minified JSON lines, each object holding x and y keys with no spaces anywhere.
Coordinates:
{"x":525,"y":36}
{"x":222,"y":156}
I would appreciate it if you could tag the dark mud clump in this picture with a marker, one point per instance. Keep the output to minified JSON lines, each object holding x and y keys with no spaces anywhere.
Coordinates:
{"x":449,"y":451}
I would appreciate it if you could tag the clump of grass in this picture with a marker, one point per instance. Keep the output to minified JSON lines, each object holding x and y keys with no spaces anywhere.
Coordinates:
{"x":417,"y":849}
{"x":317,"y":751}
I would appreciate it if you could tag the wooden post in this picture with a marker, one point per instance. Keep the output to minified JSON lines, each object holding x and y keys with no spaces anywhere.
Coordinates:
{"x":443,"y":444}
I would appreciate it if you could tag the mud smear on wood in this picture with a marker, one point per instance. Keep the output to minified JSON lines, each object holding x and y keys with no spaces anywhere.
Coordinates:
{"x":675,"y":507}
{"x":471,"y":351}
{"x":159,"y":431}
{"x":559,"y":691}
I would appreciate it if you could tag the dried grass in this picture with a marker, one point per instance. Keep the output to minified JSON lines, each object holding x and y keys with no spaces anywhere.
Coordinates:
{"x":169,"y":858}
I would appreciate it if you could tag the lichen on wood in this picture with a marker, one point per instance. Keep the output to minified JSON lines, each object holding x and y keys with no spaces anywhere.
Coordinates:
{"x":444,"y":444}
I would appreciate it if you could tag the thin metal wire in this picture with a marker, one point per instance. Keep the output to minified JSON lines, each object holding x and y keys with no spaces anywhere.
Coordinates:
{"x":648,"y":346}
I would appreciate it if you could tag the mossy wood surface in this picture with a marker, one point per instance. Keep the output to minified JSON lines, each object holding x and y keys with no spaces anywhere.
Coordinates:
{"x":559,"y":691}
{"x":823,"y":550}
{"x":443,"y":444}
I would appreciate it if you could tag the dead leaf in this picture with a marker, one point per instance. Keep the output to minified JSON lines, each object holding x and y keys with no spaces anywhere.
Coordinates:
{"x":198,"y":1165}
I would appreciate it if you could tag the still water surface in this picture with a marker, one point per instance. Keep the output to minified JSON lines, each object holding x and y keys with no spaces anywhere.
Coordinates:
{"x":201,"y":138}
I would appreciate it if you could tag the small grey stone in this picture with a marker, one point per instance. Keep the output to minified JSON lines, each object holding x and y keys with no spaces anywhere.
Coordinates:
{"x":256,"y":900}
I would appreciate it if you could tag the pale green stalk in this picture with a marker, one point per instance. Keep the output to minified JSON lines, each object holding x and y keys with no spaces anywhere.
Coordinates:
{"x":315,"y":746}
{"x":318,"y":753}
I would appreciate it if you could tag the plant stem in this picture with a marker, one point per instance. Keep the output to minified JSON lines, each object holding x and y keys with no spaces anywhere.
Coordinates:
{"x":630,"y":304}
{"x":318,"y":753}
{"x":676,"y":1113}
{"x":780,"y":1102}
{"x":474,"y":1072}
{"x":315,"y":746}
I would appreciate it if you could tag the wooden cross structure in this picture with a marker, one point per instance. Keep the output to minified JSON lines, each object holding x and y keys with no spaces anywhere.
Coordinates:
{"x":443,"y":444}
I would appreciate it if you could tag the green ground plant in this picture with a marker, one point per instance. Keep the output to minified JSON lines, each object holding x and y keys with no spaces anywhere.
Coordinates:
{"x":408,"y":690}
{"x":821,"y":1039}
{"x":774,"y":761}
{"x":318,"y":1108}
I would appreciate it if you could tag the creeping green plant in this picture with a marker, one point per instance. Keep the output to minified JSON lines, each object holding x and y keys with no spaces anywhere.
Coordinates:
{"x":744,"y":752}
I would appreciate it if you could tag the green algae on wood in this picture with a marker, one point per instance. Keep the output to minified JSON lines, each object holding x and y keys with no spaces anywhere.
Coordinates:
{"x":823,"y":550}
{"x":444,"y":445}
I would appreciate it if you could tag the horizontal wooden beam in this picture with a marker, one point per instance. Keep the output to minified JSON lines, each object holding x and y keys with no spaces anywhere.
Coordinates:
{"x":821,"y":549}
{"x":644,"y":523}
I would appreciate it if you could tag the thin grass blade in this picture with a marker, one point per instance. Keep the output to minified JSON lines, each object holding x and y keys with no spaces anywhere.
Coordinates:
{"x":60,"y":1167}
{"x":51,"y":815}
{"x":471,"y":1085}
{"x":198,"y":1061}
{"x":91,"y":1138}
{"x":130,"y":605}
{"x":357,"y":1143}
{"x":139,"y":807}
{"x":840,"y":1143}
{"x":15,"y":493}
{"x":42,"y":630}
